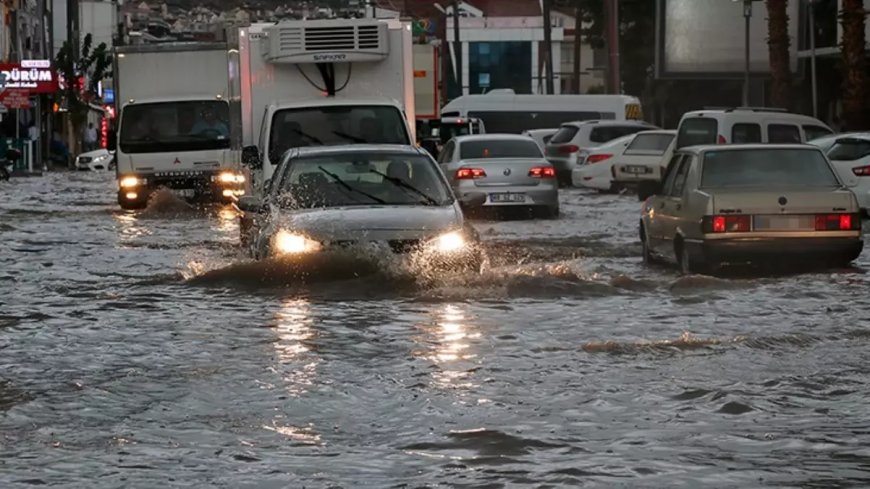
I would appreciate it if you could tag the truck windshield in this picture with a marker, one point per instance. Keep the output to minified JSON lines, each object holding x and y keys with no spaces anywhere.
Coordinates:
{"x":335,"y":125}
{"x":175,"y":126}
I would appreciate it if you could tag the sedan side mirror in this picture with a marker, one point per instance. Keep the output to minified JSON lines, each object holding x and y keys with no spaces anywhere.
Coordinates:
{"x":251,"y":157}
{"x":473,"y":200}
{"x":647,"y":189}
{"x":249,"y":203}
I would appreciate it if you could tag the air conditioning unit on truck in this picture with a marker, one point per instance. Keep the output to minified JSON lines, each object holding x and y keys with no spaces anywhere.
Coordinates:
{"x":179,"y":123}
{"x":323,"y":82}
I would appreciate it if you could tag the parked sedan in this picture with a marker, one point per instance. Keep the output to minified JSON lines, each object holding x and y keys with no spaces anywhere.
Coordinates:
{"x":96,"y":160}
{"x":731,"y":204}
{"x":509,"y":169}
{"x":594,"y":168}
{"x":641,"y":158}
{"x":323,"y":199}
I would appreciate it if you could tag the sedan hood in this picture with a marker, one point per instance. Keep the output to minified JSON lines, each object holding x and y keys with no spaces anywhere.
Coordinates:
{"x":370,"y":223}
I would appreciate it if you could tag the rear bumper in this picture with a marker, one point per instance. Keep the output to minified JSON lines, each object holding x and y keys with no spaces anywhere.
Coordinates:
{"x":539,"y":196}
{"x":774,"y":249}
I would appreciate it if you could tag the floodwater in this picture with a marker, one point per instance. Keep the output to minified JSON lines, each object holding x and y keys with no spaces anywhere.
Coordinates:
{"x":143,"y":350}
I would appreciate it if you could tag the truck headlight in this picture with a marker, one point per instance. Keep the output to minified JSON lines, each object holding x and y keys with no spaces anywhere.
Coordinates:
{"x":230,"y":177}
{"x":130,"y":182}
{"x":287,"y":243}
{"x":450,"y":242}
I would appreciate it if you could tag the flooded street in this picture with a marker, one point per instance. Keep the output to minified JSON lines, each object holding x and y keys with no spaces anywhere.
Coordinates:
{"x":144,"y":350}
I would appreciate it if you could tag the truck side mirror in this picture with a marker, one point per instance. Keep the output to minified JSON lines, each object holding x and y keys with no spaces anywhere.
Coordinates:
{"x":250,"y":203}
{"x":251,"y":157}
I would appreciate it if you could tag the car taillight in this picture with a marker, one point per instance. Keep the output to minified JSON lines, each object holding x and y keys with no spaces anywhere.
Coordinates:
{"x":470,"y":173}
{"x":722,"y":139}
{"x":861,"y":171}
{"x":838,"y":222}
{"x":542,"y":172}
{"x":567,"y":149}
{"x":727,"y":224}
{"x":597,"y":158}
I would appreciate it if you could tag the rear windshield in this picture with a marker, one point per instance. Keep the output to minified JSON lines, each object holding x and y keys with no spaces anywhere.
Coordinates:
{"x":650,"y":144}
{"x":697,"y":131}
{"x":494,"y":148}
{"x":767,"y":167}
{"x":849,"y":149}
{"x":564,"y":134}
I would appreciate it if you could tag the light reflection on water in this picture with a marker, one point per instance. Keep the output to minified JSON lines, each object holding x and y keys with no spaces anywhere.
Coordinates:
{"x":448,"y":340}
{"x":297,"y":360}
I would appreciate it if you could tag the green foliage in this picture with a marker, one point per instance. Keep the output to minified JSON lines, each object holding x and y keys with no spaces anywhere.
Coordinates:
{"x":93,"y":64}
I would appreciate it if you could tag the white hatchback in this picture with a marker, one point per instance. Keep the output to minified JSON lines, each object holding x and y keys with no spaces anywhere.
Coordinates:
{"x":850,"y":156}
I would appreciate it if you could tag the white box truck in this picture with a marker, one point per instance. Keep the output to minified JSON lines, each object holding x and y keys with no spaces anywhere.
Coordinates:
{"x":323,"y":82}
{"x":179,"y":123}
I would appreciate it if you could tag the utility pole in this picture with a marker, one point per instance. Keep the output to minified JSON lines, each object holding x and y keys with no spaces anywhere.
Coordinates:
{"x":812,"y":16}
{"x":578,"y":45}
{"x":614,"y":79}
{"x":548,"y":47}
{"x":457,"y":47}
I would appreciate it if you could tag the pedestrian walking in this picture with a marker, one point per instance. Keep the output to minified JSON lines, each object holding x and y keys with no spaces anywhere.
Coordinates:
{"x":90,"y":138}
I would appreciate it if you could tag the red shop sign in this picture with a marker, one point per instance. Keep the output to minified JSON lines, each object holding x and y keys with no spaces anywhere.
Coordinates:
{"x":33,"y":76}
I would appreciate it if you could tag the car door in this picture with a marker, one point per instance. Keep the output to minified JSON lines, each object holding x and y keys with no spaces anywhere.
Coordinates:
{"x":656,"y":209}
{"x":674,"y":207}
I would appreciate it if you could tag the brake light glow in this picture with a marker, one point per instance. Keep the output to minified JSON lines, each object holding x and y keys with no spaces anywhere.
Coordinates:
{"x":837,"y":222}
{"x":597,"y":158}
{"x":542,"y":172}
{"x":728,"y":224}
{"x":861,"y":171}
{"x":470,"y":173}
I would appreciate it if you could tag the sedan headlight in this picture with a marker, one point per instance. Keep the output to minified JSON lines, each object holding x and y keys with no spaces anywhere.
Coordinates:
{"x":450,"y":242}
{"x":287,"y":243}
{"x":130,"y":182}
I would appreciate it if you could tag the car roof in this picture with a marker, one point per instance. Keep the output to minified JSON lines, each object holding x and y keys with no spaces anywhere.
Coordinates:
{"x":354,"y":148}
{"x":751,"y":112}
{"x":491,"y":137}
{"x":608,"y":122}
{"x":740,"y":147}
{"x":852,"y":135}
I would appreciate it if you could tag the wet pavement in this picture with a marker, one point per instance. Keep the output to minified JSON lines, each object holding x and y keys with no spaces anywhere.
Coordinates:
{"x":143,"y":350}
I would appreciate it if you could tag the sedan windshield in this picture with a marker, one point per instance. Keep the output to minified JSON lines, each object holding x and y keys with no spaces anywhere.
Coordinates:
{"x":766,"y":168}
{"x":361,"y":179}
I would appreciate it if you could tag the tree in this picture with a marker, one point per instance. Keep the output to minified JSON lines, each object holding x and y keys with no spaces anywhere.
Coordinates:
{"x":90,"y":67}
{"x":854,"y":65}
{"x":778,"y":44}
{"x":586,"y":12}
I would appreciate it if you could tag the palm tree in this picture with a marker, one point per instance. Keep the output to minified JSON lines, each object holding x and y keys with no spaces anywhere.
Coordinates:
{"x":778,"y":44}
{"x":854,"y":63}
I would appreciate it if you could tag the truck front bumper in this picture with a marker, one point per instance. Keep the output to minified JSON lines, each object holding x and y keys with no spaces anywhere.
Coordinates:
{"x":222,"y":186}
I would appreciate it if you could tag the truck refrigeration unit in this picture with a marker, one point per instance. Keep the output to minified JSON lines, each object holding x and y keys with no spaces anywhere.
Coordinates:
{"x":323,"y":82}
{"x":180,"y":122}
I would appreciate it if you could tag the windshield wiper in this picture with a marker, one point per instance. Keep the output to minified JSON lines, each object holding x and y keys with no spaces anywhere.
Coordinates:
{"x":407,"y":186}
{"x":344,"y":184}
{"x":355,"y":139}
{"x":309,"y":136}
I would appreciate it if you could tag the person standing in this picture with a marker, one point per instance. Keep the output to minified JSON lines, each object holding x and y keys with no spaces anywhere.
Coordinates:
{"x":90,"y":138}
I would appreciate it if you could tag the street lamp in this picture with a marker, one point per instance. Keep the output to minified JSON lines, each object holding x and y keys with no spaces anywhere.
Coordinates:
{"x":747,"y":15}
{"x":811,"y":13}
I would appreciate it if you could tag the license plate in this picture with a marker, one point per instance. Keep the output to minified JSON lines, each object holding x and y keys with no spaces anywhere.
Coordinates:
{"x":183,"y":192}
{"x":636,"y":169}
{"x":784,"y":223}
{"x":507,"y":197}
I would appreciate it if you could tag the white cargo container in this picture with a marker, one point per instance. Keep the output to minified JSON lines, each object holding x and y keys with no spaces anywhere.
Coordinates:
{"x":323,"y":82}
{"x":179,"y":124}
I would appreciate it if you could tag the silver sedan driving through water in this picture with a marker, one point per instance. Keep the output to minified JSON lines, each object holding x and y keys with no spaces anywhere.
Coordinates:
{"x":389,"y":197}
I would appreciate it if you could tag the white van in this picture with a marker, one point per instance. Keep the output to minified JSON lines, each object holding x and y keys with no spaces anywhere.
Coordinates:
{"x":743,"y":125}
{"x":511,"y":113}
